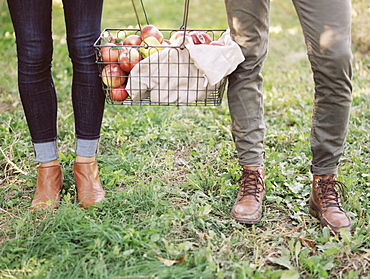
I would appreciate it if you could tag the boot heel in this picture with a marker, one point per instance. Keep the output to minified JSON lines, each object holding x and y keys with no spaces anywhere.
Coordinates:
{"x":313,"y":213}
{"x":312,"y":210}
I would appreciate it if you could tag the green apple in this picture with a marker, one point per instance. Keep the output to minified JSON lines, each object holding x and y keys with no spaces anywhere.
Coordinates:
{"x":149,"y":45}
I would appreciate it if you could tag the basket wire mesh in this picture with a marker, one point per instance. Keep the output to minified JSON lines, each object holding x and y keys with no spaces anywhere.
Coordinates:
{"x":166,"y":77}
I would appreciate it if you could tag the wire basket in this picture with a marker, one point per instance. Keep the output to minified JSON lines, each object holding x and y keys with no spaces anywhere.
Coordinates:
{"x":150,"y":72}
{"x":165,"y":77}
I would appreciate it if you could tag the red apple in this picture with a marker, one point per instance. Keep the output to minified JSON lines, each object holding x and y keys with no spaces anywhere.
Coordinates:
{"x":109,"y":53}
{"x":118,"y":94}
{"x":128,"y":58}
{"x":200,"y":37}
{"x":204,"y":38}
{"x":194,"y":36}
{"x":133,"y":40}
{"x":113,"y":76}
{"x":216,"y":43}
{"x":151,"y":31}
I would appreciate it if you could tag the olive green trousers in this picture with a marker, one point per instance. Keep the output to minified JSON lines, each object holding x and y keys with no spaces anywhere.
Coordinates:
{"x":326,"y":27}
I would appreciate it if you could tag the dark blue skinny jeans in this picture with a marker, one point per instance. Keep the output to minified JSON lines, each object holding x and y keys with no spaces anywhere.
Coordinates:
{"x":32,"y":21}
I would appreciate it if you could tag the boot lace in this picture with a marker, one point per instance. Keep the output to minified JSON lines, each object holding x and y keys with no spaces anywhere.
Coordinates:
{"x":329,"y":194}
{"x":249,"y":183}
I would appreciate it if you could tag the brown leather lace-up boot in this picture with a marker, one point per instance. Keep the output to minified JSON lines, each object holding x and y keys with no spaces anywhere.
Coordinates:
{"x":89,"y":188}
{"x":325,"y":205}
{"x":48,"y":187}
{"x":248,"y":205}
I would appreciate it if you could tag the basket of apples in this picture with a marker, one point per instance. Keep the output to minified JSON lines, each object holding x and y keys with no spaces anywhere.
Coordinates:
{"x":153,"y":66}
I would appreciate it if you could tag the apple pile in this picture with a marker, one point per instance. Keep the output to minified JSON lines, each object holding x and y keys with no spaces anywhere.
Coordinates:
{"x":120,"y":55}
{"x":197,"y":37}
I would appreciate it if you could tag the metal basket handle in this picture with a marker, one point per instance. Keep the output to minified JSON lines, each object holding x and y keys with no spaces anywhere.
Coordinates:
{"x":184,"y":20}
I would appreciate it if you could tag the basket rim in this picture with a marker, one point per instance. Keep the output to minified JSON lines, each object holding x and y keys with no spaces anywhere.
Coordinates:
{"x":98,"y":44}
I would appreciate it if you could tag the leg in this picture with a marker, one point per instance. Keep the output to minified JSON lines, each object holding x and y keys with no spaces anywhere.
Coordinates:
{"x":326,"y":26}
{"x":32,"y":26}
{"x":249,"y":23}
{"x":83,"y":18}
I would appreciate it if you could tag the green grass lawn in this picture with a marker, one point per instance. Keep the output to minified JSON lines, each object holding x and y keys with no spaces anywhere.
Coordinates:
{"x":171,"y":173}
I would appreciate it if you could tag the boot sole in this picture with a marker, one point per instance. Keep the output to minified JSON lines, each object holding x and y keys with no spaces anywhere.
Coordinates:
{"x":248,"y":222}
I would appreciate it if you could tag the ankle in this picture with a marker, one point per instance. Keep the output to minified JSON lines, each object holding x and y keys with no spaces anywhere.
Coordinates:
{"x":81,"y":159}
{"x":49,"y":164}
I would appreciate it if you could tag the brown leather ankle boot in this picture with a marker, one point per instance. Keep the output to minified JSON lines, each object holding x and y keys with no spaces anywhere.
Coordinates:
{"x":89,"y":188}
{"x":48,"y":186}
{"x":325,"y":204}
{"x":248,"y":205}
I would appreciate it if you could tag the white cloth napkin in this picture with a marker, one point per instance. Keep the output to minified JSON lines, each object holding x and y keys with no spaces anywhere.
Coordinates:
{"x":175,"y":75}
{"x":214,"y":61}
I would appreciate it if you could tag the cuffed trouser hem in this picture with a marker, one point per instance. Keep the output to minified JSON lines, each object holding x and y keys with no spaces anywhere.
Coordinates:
{"x":46,"y":151}
{"x":257,"y":161}
{"x":323,"y":170}
{"x":87,"y":148}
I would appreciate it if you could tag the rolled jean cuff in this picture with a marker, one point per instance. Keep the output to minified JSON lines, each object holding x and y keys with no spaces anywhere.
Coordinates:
{"x":46,"y":151}
{"x":323,"y":170}
{"x":87,"y":148}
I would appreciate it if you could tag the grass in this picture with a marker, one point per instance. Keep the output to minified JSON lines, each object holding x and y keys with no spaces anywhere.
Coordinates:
{"x":171,"y":174}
